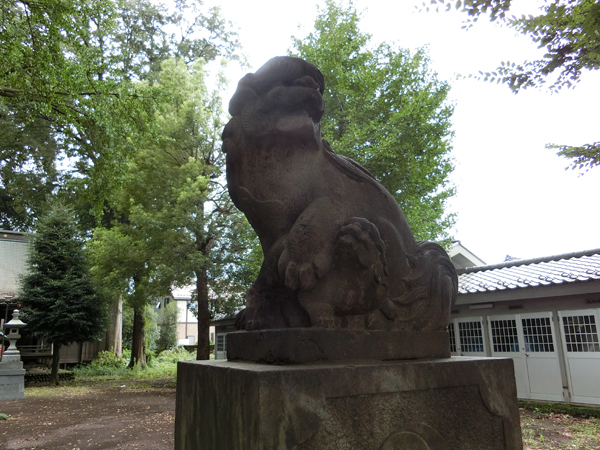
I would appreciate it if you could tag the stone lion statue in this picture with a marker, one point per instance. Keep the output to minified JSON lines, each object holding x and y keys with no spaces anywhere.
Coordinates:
{"x":338,"y":252}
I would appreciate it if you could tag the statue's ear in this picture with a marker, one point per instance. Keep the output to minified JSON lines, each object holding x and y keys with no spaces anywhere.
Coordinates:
{"x":231,"y":133}
{"x":243,"y":95}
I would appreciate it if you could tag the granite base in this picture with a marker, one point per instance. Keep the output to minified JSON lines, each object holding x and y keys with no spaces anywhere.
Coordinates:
{"x":12,"y":379}
{"x":305,"y":345}
{"x":456,"y":403}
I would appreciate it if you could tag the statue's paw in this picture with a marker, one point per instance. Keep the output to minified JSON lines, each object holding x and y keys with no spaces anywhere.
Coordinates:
{"x":303,"y":274}
{"x":361,"y":238}
{"x":299,"y":276}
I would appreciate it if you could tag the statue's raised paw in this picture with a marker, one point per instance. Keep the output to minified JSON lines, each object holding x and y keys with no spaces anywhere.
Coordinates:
{"x":302,"y":267}
{"x":361,"y":237}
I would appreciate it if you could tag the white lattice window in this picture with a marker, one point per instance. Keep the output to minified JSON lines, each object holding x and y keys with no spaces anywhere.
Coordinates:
{"x":537,"y":333}
{"x":581,"y":334}
{"x":452,"y":337}
{"x":221,"y":343}
{"x":470,"y":336}
{"x":504,"y":335}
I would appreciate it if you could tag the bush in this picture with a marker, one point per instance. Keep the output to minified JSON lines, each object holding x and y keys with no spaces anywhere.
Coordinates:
{"x":150,"y":355}
{"x":108,"y":359}
{"x":176,"y":354}
{"x":104,"y":364}
{"x":163,"y":365}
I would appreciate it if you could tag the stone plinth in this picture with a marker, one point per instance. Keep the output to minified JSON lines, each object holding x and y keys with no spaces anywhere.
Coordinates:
{"x":12,"y":378}
{"x":455,"y":403}
{"x":304,"y":345}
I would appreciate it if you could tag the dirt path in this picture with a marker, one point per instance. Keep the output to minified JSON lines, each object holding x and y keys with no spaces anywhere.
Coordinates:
{"x":90,"y":417}
{"x":141,"y":417}
{"x":559,"y":431}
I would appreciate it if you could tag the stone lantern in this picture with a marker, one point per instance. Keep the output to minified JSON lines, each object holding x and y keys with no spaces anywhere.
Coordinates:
{"x":11,"y":333}
{"x":12,"y":374}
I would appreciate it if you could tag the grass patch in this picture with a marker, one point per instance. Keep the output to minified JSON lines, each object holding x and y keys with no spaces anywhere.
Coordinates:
{"x":66,"y":389}
{"x":558,"y":431}
{"x":107,"y":367}
{"x":559,"y":426}
{"x":109,"y":371}
{"x":544,"y":408}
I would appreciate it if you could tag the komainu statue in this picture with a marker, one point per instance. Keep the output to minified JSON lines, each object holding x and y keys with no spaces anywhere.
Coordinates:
{"x":338,"y":252}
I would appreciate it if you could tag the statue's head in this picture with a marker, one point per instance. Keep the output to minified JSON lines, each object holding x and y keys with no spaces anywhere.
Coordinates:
{"x":282,"y":98}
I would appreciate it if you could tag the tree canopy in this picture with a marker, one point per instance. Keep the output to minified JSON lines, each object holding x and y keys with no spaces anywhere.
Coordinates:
{"x":126,"y":130}
{"x":175,"y":223}
{"x":61,"y":302}
{"x":569,"y":30}
{"x":28,"y":170}
{"x":75,"y":67}
{"x":386,"y":109}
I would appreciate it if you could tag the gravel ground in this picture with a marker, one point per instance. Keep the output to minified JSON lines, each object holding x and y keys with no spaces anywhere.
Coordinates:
{"x":102,"y":416}
{"x":141,"y":416}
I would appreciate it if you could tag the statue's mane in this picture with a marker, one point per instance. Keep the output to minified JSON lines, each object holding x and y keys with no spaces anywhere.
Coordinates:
{"x":349,"y":167}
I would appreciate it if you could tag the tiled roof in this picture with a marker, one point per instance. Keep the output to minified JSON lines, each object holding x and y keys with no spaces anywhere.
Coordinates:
{"x":576,"y":267}
{"x":226,"y":317}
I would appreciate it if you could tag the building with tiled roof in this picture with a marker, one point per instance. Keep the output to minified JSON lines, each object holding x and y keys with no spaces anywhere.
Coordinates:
{"x":544,"y":314}
{"x":571,"y":271}
{"x":462,"y":257}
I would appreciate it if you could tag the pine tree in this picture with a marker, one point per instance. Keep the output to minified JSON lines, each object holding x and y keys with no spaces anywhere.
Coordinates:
{"x":60,"y":302}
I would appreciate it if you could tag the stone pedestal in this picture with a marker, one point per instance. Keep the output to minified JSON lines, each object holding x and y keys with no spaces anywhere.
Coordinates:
{"x":451,"y":403}
{"x":305,"y":345}
{"x":12,"y":378}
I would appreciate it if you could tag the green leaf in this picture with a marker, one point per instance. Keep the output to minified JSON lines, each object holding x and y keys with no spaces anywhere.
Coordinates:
{"x":386,"y":109}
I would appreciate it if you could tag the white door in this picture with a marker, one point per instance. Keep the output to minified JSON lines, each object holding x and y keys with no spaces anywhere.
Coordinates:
{"x":469,"y":331}
{"x":221,"y":346}
{"x":582,"y":349}
{"x":541,"y":356}
{"x":506,"y":340}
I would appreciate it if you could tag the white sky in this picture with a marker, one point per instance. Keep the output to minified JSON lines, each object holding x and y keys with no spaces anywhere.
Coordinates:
{"x":514,"y":196}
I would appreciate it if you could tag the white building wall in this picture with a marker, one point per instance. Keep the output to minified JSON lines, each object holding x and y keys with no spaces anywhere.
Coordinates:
{"x":536,"y":333}
{"x":13,"y":263}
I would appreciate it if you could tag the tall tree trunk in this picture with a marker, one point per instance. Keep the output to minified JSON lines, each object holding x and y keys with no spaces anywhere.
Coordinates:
{"x":138,"y":354}
{"x":114,"y":335}
{"x":55,"y":364}
{"x":203,"y":316}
